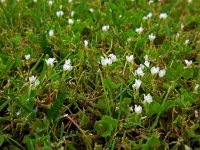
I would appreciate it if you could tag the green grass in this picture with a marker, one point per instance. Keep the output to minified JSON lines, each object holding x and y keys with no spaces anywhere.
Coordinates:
{"x":91,"y":105}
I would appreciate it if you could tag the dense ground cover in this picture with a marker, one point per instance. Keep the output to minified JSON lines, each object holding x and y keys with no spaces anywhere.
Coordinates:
{"x":116,"y":74}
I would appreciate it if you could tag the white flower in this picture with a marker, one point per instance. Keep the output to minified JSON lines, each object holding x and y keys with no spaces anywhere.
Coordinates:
{"x":91,"y":10}
{"x":71,"y":21}
{"x":50,"y":61}
{"x":86,"y":43}
{"x":106,"y":61}
{"x":163,"y":16}
{"x":72,"y":13}
{"x":131,"y":108}
{"x":148,"y":98}
{"x":138,"y":109}
{"x":130,"y":58}
{"x":27,"y":57}
{"x":50,"y":3}
{"x":69,"y":1}
{"x":2,"y":1}
{"x":149,"y":15}
{"x":139,"y":30}
{"x":146,"y":57}
{"x":32,"y":79}
{"x":147,"y":63}
{"x":188,"y":63}
{"x":68,"y":62}
{"x":67,"y":66}
{"x":182,"y":25}
{"x":60,"y":13}
{"x":139,"y":71}
{"x":51,"y":33}
{"x":137,"y":84}
{"x":105,"y":28}
{"x":187,"y":42}
{"x":152,"y":37}
{"x":189,"y":1}
{"x":37,"y":82}
{"x":112,"y":57}
{"x":162,"y":73}
{"x":196,"y":88}
{"x":155,"y":70}
{"x":35,"y":1}
{"x":196,"y":114}
{"x":150,"y":1}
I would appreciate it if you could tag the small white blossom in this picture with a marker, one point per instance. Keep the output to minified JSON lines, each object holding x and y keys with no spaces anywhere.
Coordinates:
{"x":139,"y":30}
{"x":139,"y":71}
{"x":70,"y":21}
{"x":131,"y":109}
{"x":146,"y":57}
{"x":130,"y":58}
{"x":2,"y":1}
{"x":155,"y":70}
{"x":86,"y":43}
{"x":91,"y":10}
{"x":189,"y":1}
{"x":70,"y":1}
{"x":148,"y":98}
{"x":105,"y":28}
{"x":137,"y":84}
{"x":152,"y":37}
{"x":32,"y":79}
{"x":67,"y":66}
{"x":27,"y":57}
{"x":162,"y":73}
{"x":50,"y":62}
{"x":138,"y":109}
{"x":60,"y":13}
{"x":106,"y":61}
{"x":163,"y":16}
{"x":35,"y":1}
{"x":116,"y":108}
{"x":149,"y":15}
{"x":150,"y":1}
{"x":196,"y":88}
{"x":50,"y":3}
{"x":51,"y":33}
{"x":188,"y":62}
{"x":147,"y":63}
{"x":112,"y":57}
{"x":196,"y":114}
{"x":187,"y":42}
{"x":182,"y":25}
{"x":72,"y":13}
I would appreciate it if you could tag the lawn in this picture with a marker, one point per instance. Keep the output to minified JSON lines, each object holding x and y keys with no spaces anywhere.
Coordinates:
{"x":99,"y":74}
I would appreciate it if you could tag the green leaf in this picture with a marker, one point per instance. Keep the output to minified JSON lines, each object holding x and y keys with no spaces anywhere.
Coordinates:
{"x":52,"y":112}
{"x":154,"y":108}
{"x":4,"y":105}
{"x":154,"y":141}
{"x":29,"y":142}
{"x":110,"y":84}
{"x":166,"y":105}
{"x":105,"y":126}
{"x":188,"y":73}
{"x":1,"y":138}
